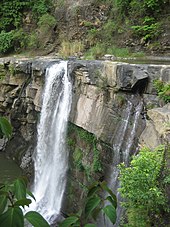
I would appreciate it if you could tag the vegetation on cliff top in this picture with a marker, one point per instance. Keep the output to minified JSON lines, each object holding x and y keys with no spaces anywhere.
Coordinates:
{"x":30,"y":25}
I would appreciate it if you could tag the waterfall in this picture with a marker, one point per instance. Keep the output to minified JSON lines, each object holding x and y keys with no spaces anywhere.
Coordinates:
{"x":122,"y":144}
{"x":50,"y":159}
{"x":128,"y":146}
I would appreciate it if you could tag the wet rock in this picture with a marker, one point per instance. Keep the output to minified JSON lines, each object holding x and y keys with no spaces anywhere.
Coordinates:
{"x":128,"y":76}
{"x":157,"y":127}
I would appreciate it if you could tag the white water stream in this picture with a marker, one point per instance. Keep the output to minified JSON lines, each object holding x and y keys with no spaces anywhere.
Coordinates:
{"x":51,"y":156}
{"x":122,"y":144}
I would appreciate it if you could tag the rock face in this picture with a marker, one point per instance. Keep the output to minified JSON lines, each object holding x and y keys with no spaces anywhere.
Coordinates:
{"x":20,"y":100}
{"x":100,"y":91}
{"x":108,"y":114}
{"x":157,"y":129}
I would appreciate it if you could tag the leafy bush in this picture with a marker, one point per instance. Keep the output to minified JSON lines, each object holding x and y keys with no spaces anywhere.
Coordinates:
{"x":148,"y":30}
{"x":94,"y":205}
{"x":40,"y":7}
{"x":123,"y":6}
{"x":163,"y":90}
{"x":20,"y":39}
{"x":11,"y":13}
{"x":6,"y":41}
{"x":93,"y":35}
{"x":12,"y":41}
{"x":46,"y":20}
{"x":5,"y":128}
{"x":12,"y":198}
{"x":140,"y":186}
{"x":33,"y":41}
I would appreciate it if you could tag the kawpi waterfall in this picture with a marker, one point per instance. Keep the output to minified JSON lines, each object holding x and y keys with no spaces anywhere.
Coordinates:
{"x":50,"y":158}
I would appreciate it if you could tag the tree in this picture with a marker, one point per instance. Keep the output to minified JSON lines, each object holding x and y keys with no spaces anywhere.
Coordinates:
{"x":141,"y":188}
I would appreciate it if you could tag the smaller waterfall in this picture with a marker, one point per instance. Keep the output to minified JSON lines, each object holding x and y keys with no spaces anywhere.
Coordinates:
{"x":51,"y":156}
{"x":120,"y":133}
{"x":122,"y":145}
{"x":126,"y":152}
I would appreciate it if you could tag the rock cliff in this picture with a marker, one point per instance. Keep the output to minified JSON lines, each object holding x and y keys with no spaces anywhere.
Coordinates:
{"x":112,"y":103}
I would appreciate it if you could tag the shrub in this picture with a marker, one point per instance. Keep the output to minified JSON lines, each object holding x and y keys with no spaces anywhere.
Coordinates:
{"x":19,"y":39}
{"x":6,"y":41}
{"x":163,"y":90}
{"x":11,"y":13}
{"x":46,"y":20}
{"x":149,"y":29}
{"x":33,"y":41}
{"x":12,"y":41}
{"x":95,"y":206}
{"x":13,"y":197}
{"x":140,"y":186}
{"x":40,"y":7}
{"x":96,"y":52}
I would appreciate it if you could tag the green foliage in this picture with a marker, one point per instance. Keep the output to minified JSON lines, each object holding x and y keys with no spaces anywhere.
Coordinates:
{"x":5,"y":127}
{"x":11,"y":12}
{"x":91,"y":140}
{"x":104,"y":33}
{"x":118,"y":52}
{"x":163,"y":90}
{"x":19,"y":39}
{"x":40,"y":7}
{"x":123,"y":6}
{"x":143,"y":16}
{"x":86,"y":158}
{"x":100,"y":49}
{"x":137,"y":217}
{"x":140,"y":186}
{"x":149,"y":29}
{"x":6,"y":41}
{"x":46,"y":20}
{"x":13,"y":40}
{"x":12,"y":198}
{"x":95,"y":204}
{"x":77,"y":157}
{"x":33,"y":41}
{"x":148,"y":7}
{"x":95,"y":52}
{"x":36,"y":219}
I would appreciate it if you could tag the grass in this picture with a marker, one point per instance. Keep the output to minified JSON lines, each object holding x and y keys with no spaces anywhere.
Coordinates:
{"x":100,"y":49}
{"x":71,"y":48}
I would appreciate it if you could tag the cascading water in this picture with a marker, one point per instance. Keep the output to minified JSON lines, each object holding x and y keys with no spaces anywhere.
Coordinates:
{"x":122,"y":145}
{"x":126,"y":153}
{"x":51,"y":156}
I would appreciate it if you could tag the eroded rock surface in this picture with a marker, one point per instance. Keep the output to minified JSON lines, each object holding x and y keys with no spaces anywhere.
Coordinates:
{"x":111,"y":100}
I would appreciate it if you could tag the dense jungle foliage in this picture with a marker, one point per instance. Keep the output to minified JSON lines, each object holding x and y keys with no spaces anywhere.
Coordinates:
{"x":25,"y":25}
{"x":13,"y":14}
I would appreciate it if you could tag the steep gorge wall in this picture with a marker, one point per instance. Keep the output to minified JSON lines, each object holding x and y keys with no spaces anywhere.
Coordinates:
{"x":102,"y":91}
